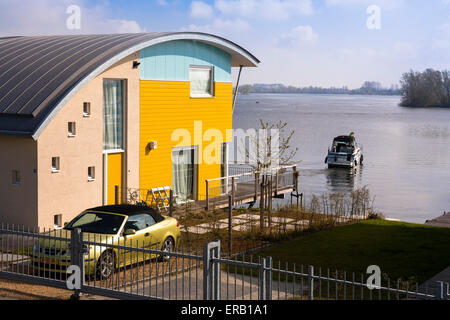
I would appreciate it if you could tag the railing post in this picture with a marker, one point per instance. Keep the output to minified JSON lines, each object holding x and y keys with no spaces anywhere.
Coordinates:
{"x":262,"y":278}
{"x":296,"y":184}
{"x":230,"y":225}
{"x":268,"y":275}
{"x":207,"y":195}
{"x":439,"y":294}
{"x":446,"y":291}
{"x":233,"y":189}
{"x":77,"y":257}
{"x":276,"y":182}
{"x":211,"y":271}
{"x":171,"y":203}
{"x":310,"y":283}
{"x":256,"y":185}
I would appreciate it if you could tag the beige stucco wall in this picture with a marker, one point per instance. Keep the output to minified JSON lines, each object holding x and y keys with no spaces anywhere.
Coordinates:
{"x":69,"y":192}
{"x":18,"y":203}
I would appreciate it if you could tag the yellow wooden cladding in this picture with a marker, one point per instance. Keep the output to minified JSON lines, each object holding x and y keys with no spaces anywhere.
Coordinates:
{"x":167,"y":106}
{"x":114,"y":176}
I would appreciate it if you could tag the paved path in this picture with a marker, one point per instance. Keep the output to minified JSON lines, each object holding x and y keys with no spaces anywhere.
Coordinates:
{"x":233,"y":287}
{"x":430,"y":285}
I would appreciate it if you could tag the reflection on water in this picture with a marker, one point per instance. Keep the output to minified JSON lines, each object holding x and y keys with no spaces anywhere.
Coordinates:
{"x":406,"y":151}
{"x":343,"y":179}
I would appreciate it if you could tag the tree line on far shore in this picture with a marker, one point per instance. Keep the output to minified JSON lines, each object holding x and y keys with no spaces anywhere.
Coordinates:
{"x":430,"y":88}
{"x":367,"y":88}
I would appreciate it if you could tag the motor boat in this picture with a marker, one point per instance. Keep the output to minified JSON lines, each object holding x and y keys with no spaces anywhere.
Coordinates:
{"x":344,"y":152}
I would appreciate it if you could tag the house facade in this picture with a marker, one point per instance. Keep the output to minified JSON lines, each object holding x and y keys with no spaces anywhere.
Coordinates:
{"x":80,"y":115}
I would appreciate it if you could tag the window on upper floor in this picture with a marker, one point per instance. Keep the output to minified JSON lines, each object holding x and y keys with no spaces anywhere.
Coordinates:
{"x":113,"y":114}
{"x":202,"y":81}
{"x":71,"y":128}
{"x":86,"y":109}
{"x":55,"y":164}
{"x":91,"y":174}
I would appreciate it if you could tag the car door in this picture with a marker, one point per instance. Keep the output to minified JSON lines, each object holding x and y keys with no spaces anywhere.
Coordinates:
{"x":157,"y":232}
{"x":138,"y":240}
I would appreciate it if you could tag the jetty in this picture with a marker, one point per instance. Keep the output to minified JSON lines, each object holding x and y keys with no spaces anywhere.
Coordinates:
{"x":441,"y":221}
{"x":245,"y":185}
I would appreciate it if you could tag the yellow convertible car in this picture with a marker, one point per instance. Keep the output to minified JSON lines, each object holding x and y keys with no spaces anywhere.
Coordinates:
{"x":123,"y":225}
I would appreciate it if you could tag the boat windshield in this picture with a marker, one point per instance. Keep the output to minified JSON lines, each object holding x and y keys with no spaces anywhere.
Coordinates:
{"x":97,"y":222}
{"x":339,"y":146}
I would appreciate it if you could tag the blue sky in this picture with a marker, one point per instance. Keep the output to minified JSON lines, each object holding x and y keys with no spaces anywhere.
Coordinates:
{"x":300,"y":42}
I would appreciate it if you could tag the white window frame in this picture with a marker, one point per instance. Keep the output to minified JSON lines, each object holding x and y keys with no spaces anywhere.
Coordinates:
{"x":86,"y":109}
{"x":57,"y":218}
{"x":211,"y":70}
{"x":56,"y":165}
{"x":91,"y":173}
{"x":71,"y":132}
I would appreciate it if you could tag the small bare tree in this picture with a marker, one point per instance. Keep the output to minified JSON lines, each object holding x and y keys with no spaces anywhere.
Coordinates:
{"x":270,"y":146}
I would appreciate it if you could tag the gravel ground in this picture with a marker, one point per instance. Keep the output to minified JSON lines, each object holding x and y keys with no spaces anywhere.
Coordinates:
{"x":22,"y":291}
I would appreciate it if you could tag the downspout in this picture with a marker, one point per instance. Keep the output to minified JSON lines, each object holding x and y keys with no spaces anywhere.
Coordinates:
{"x":237,"y":89}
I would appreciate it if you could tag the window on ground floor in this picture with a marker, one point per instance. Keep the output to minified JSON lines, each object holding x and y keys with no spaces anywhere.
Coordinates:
{"x":57,"y":219}
{"x":184,"y":173}
{"x":16,"y":177}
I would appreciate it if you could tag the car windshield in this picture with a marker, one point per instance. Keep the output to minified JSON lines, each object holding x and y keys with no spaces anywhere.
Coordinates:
{"x":97,"y":222}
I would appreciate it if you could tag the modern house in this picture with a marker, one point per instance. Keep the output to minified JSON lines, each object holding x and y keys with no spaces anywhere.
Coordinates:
{"x":81,"y":114}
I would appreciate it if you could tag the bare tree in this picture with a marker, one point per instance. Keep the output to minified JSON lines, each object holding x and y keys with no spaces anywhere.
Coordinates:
{"x":270,"y":146}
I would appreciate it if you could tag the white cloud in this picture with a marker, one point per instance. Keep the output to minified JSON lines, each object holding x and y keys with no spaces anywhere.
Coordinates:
{"x":300,"y":36}
{"x":41,"y":17}
{"x":162,"y":2}
{"x":267,"y":9}
{"x":221,"y":26}
{"x":383,"y":4}
{"x":200,"y":9}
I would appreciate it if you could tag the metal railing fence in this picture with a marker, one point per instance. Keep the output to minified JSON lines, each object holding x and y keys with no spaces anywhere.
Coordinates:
{"x":140,"y":270}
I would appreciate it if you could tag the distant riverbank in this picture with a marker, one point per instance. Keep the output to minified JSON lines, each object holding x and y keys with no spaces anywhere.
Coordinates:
{"x":368,"y":88}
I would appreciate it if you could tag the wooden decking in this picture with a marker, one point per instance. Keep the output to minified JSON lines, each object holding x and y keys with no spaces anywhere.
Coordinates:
{"x":244,"y":194}
{"x":249,"y":187}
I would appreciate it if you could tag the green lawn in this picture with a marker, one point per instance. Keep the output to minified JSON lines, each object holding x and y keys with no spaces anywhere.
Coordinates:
{"x":402,"y":250}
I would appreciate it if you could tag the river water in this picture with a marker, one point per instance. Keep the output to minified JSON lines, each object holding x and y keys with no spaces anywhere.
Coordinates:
{"x":406,"y":151}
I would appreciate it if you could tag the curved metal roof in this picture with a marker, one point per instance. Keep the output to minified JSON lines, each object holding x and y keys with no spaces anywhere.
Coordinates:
{"x":38,"y":75}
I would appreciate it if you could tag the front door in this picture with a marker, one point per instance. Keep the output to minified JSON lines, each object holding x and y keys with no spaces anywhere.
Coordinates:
{"x":114,"y":177}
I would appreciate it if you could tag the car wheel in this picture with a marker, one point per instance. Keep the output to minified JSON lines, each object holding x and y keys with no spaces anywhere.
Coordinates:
{"x":167,"y":246}
{"x":105,"y":265}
